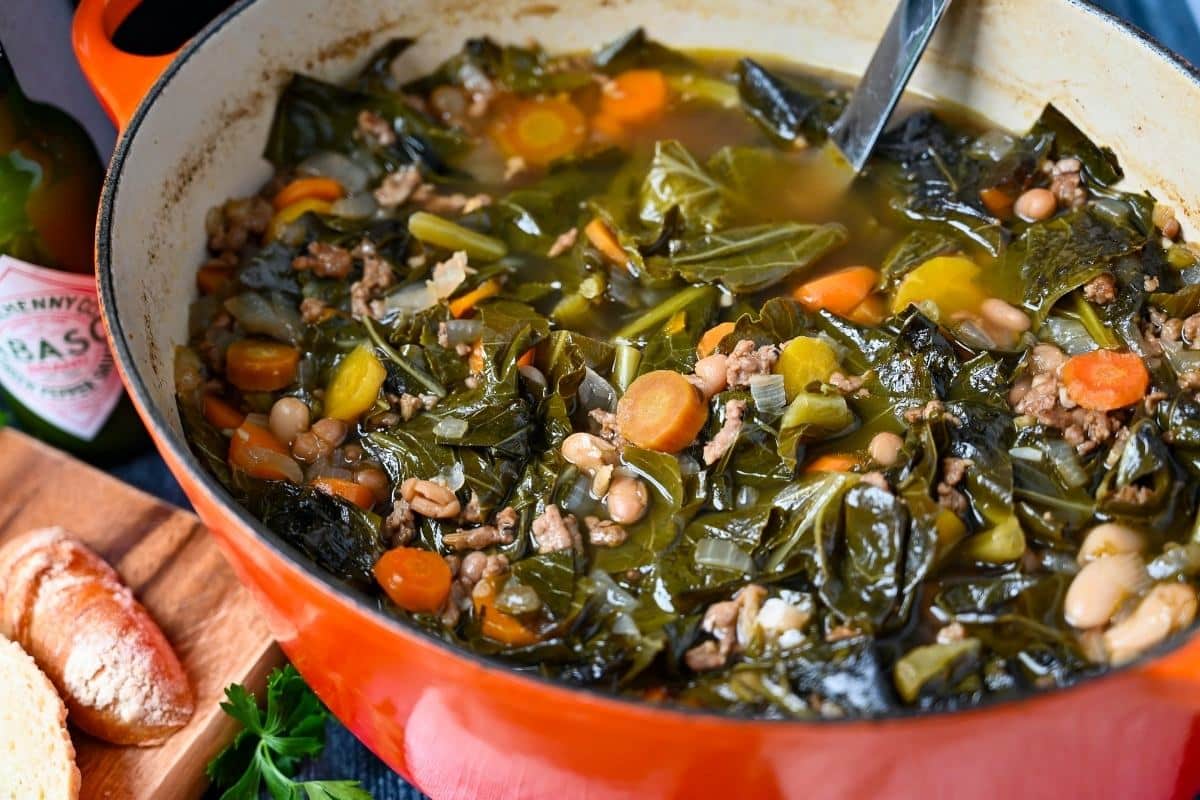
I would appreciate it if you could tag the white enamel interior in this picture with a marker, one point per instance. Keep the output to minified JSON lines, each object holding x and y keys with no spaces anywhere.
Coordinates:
{"x":199,"y":141}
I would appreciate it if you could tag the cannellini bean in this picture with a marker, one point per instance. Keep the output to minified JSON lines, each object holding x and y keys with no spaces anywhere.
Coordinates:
{"x":711,"y":370}
{"x":307,"y":448}
{"x":289,"y":418}
{"x":374,"y":479}
{"x":1101,"y":587}
{"x":430,"y":499}
{"x":1047,"y":357}
{"x":627,"y":499}
{"x":1004,"y":316}
{"x":885,"y":448}
{"x":1036,"y":204}
{"x":587,"y":451}
{"x":1166,"y":608}
{"x":1109,"y":539}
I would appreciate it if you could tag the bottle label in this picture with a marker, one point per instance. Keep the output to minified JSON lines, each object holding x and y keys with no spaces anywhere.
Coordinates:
{"x":54,"y":357}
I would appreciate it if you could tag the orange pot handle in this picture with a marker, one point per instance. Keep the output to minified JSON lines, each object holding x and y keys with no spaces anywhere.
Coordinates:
{"x":118,"y":78}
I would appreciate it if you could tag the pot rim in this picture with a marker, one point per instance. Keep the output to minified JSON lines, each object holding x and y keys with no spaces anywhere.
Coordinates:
{"x":164,"y":436}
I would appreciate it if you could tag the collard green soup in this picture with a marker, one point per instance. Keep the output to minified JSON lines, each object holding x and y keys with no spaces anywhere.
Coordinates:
{"x":586,"y":363}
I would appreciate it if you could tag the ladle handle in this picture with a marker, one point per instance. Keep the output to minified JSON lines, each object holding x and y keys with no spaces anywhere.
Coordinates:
{"x":895,"y":58}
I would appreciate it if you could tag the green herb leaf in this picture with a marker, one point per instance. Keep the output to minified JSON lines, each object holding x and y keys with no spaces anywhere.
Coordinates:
{"x":274,"y":742}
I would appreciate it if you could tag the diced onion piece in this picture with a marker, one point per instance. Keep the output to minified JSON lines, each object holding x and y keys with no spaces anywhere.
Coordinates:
{"x":356,"y":206}
{"x":768,"y":393}
{"x":1069,"y":335}
{"x":1066,"y":463}
{"x":450,"y":428}
{"x":463,"y":331}
{"x":1026,"y":453}
{"x":723,"y":554}
{"x":341,"y":168}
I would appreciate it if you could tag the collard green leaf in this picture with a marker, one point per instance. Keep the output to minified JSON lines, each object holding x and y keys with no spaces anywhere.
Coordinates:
{"x":338,"y":536}
{"x":787,"y":109}
{"x":1058,"y":256}
{"x":661,"y":524}
{"x":376,"y":76}
{"x":637,"y":50}
{"x":552,"y":576}
{"x":1099,"y":162}
{"x":863,"y":570}
{"x":756,"y":257}
{"x":676,"y":180}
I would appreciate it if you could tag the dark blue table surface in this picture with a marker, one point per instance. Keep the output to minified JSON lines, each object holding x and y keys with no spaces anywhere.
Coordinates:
{"x":1173,"y":22}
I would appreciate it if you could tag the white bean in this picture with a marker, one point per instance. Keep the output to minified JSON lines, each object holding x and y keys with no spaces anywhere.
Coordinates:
{"x":1101,"y":587}
{"x":711,"y":370}
{"x":1109,"y":539}
{"x":1004,"y":316}
{"x":289,"y":418}
{"x":587,"y":451}
{"x":1036,"y":204}
{"x":885,"y":448}
{"x":627,"y":499}
{"x":1166,"y":608}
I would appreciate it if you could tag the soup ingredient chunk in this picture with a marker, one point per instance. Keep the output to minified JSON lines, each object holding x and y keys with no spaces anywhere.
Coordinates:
{"x":661,"y":411}
{"x":414,"y":579}
{"x":1103,"y":380}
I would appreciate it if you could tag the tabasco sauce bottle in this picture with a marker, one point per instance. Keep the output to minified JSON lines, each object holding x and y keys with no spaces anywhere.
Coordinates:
{"x":57,"y":376}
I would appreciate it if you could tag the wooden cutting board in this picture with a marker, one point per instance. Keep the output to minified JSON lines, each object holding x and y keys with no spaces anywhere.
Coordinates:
{"x":172,"y":564}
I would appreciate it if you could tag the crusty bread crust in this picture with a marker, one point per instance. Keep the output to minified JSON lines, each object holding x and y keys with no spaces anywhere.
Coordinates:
{"x":37,"y":758}
{"x":114,"y":668}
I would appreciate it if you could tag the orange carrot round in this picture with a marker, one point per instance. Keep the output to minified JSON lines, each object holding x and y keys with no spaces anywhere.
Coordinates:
{"x":661,"y":411}
{"x":634,"y":96}
{"x":315,"y":188}
{"x":603,"y":239}
{"x":1104,"y":380}
{"x":869,"y":312}
{"x":541,"y":130}
{"x":840,"y":292}
{"x":461,"y":306}
{"x":416,"y":580}
{"x":495,"y":624}
{"x":260,"y":365}
{"x":255,"y":450}
{"x":712,"y":337}
{"x":832,"y":462}
{"x":349,"y":491}
{"x":219,"y":413}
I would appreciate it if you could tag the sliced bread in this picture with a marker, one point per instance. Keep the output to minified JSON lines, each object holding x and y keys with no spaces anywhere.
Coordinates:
{"x":37,"y":759}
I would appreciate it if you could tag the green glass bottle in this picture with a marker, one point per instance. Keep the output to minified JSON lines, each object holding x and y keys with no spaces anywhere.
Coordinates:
{"x":57,"y":375}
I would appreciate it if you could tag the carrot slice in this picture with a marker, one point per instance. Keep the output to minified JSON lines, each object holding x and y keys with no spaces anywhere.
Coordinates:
{"x":712,"y":337}
{"x":461,"y":306}
{"x":541,"y":130}
{"x":526,"y":359}
{"x":604,"y":240}
{"x":259,"y":365}
{"x":496,"y":624}
{"x":220,"y":414}
{"x":326,"y":189}
{"x":661,"y":411}
{"x":349,"y":491}
{"x":608,"y":128}
{"x":255,"y":450}
{"x":869,"y":312}
{"x":210,"y":278}
{"x":416,"y":580}
{"x":832,"y":462}
{"x":839,"y":292}
{"x":1104,"y":380}
{"x":635,"y":96}
{"x":998,"y":202}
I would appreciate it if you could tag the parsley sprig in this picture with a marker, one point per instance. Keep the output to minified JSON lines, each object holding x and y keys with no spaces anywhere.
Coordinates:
{"x":273,"y":744}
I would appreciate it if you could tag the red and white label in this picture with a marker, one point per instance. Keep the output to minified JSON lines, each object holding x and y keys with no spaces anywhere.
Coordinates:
{"x":54,"y":358}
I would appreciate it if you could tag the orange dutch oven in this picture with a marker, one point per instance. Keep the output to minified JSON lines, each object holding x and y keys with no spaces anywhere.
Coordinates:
{"x":459,"y":726}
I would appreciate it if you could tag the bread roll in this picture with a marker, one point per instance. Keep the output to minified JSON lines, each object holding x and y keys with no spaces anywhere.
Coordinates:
{"x":114,"y":668}
{"x":37,"y":759}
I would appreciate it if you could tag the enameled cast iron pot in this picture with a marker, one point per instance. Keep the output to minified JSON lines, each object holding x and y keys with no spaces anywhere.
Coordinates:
{"x":462,"y":727}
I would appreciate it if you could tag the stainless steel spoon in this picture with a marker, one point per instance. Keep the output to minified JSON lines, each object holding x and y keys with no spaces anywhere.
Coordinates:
{"x":861,"y":123}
